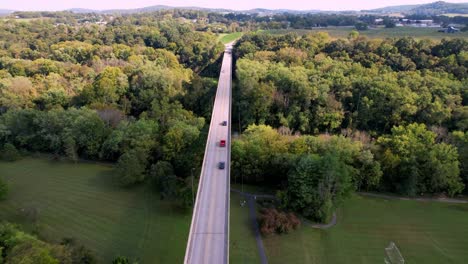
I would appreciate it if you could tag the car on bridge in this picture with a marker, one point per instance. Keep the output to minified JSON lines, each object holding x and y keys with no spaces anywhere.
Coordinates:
{"x":224,"y":123}
{"x":221,"y":165}
{"x":222,"y":143}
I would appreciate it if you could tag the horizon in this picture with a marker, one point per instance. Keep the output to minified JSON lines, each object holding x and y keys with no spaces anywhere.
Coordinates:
{"x":299,"y":5}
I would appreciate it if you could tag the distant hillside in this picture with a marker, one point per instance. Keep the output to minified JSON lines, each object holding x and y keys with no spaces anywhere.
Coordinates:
{"x":82,"y":10}
{"x":392,"y":9}
{"x":439,"y":8}
{"x":6,"y":11}
{"x":436,"y":8}
{"x":217,"y":10}
{"x":144,"y":10}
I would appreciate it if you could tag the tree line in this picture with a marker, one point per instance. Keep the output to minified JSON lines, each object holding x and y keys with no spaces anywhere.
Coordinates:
{"x":321,"y":118}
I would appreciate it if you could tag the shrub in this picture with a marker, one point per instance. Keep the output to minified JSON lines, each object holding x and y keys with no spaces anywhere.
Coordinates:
{"x":3,"y":190}
{"x":123,"y":260}
{"x":9,"y":153}
{"x":273,"y":221}
{"x":79,"y":254}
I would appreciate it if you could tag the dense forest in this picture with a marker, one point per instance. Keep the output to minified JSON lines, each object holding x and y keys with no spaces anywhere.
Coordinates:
{"x":129,"y":92}
{"x":327,"y":117}
{"x":319,"y":118}
{"x":133,"y":92}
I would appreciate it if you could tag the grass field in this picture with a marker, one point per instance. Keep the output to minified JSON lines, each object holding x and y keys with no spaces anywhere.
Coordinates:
{"x":455,"y":14}
{"x":58,"y":199}
{"x":418,"y":33}
{"x":27,"y":20}
{"x":425,"y":232}
{"x":226,"y":38}
{"x":242,"y":244}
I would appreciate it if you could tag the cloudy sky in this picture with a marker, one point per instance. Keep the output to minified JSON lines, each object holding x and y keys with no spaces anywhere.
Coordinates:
{"x":233,"y":4}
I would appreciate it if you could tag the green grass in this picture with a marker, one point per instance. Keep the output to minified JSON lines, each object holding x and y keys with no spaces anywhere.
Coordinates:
{"x":242,"y":244}
{"x":425,"y":232}
{"x":381,"y":33}
{"x":27,"y":20}
{"x":58,"y":199}
{"x":226,"y":38}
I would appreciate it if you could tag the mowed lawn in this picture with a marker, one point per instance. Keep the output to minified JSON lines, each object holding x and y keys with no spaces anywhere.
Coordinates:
{"x":227,"y":38}
{"x":425,"y":232}
{"x":59,"y":199}
{"x":242,"y":243}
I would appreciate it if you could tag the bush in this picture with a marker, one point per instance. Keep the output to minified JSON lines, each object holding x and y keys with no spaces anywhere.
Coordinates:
{"x":3,"y":190}
{"x":79,"y":253}
{"x":273,"y":221}
{"x":9,"y":153}
{"x":20,"y":247}
{"x":123,"y":260}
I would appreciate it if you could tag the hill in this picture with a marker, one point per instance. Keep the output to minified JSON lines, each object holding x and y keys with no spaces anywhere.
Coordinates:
{"x":439,"y":8}
{"x":5,"y":12}
{"x":145,"y":9}
{"x":436,"y":8}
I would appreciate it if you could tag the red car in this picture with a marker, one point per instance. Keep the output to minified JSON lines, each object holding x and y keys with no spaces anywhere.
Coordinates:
{"x":222,"y":143}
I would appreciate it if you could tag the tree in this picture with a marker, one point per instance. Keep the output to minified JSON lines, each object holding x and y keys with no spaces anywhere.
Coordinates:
{"x":70,"y":148}
{"x":10,"y":153}
{"x":389,"y":23}
{"x":369,"y":171}
{"x":178,"y":137}
{"x":317,"y":185}
{"x":274,"y":221}
{"x":164,"y":177}
{"x":131,"y":167}
{"x":170,"y":186}
{"x":89,"y":132}
{"x":17,"y":92}
{"x":413,"y":163}
{"x":110,"y":85}
{"x":353,"y":35}
{"x":253,"y":155}
{"x":361,"y":26}
{"x":460,"y":140}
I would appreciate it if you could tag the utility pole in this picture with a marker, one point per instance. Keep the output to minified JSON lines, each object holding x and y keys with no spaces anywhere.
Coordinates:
{"x":239,"y":119}
{"x":193,"y":197}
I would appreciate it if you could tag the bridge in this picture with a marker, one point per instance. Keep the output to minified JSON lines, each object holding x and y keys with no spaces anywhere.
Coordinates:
{"x":208,"y":240}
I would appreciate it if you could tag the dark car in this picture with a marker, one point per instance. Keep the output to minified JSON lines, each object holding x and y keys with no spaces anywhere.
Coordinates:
{"x":221,"y":165}
{"x":224,"y":123}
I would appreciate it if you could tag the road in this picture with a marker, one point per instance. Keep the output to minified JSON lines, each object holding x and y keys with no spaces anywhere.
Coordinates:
{"x":208,"y":240}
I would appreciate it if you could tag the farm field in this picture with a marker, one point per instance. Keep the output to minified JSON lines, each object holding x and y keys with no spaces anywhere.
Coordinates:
{"x":59,"y":199}
{"x":418,"y":33}
{"x":27,"y":20}
{"x":425,"y":232}
{"x":455,"y":15}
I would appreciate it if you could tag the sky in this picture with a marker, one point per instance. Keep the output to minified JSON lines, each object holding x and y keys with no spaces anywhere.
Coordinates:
{"x":53,"y":5}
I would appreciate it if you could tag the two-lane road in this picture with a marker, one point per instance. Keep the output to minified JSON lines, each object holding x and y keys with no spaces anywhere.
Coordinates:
{"x":209,"y":232}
